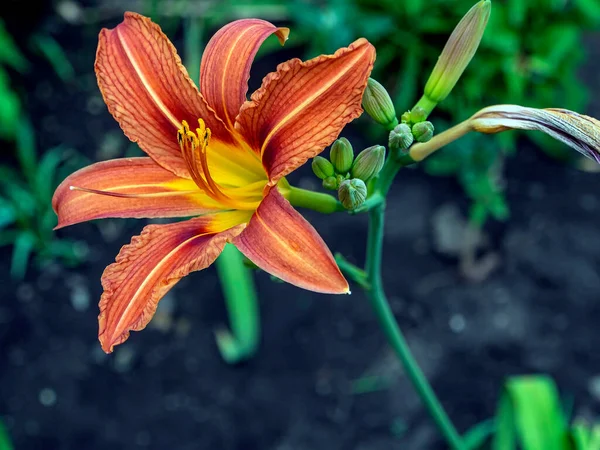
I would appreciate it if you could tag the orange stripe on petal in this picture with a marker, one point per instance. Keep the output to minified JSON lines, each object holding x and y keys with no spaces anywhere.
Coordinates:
{"x":302,"y":107}
{"x":148,"y":91}
{"x":280,"y":241}
{"x":148,"y":267}
{"x":226,"y":62}
{"x":152,"y":191}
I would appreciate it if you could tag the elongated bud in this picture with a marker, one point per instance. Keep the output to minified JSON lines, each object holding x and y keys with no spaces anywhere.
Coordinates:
{"x":458,"y":52}
{"x":378,"y":104}
{"x":322,"y":167}
{"x":423,"y":131}
{"x":342,"y":155}
{"x":401,"y":137}
{"x":576,"y":130}
{"x":352,"y":193}
{"x":368,"y":163}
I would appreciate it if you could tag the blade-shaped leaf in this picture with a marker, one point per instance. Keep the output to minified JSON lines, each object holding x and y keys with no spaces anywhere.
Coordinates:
{"x":530,"y":414}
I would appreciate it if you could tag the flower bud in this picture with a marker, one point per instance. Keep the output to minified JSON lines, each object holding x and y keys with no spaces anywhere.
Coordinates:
{"x":322,"y":167}
{"x":578,"y":131}
{"x":330,"y":183}
{"x":352,"y":193}
{"x":418,"y":114}
{"x":458,"y":52}
{"x":342,"y":155}
{"x":378,"y":104}
{"x":401,"y":137}
{"x":368,"y":163}
{"x":423,"y":131}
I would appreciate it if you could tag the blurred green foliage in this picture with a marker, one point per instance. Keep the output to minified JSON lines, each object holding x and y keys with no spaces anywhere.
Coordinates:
{"x":530,"y":55}
{"x":5,"y":442}
{"x":530,"y":416}
{"x":26,"y":216}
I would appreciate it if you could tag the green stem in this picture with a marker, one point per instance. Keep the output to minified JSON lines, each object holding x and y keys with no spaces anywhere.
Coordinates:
{"x":353,"y":272}
{"x":242,"y":307}
{"x":394,"y":334}
{"x":317,"y":201}
{"x":384,"y":313}
{"x":426,"y":103}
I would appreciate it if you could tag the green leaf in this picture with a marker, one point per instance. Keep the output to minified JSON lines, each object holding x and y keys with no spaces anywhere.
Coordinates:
{"x":10,"y":108}
{"x":8,"y":215}
{"x":26,"y":152}
{"x":242,"y":307}
{"x":5,"y":442}
{"x":22,"y":250}
{"x":45,"y":176}
{"x":478,"y":435}
{"x":530,"y":414}
{"x":53,"y":52}
{"x":580,"y":437}
{"x":10,"y":54}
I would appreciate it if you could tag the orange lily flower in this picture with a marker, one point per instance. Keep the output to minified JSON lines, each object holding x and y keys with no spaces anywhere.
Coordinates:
{"x":212,"y":154}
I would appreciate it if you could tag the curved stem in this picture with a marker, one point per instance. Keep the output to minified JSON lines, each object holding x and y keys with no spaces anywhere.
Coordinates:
{"x":385,"y":315}
{"x":394,"y":334}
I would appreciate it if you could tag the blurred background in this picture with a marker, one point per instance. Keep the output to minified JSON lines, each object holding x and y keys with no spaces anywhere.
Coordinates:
{"x":492,"y":257}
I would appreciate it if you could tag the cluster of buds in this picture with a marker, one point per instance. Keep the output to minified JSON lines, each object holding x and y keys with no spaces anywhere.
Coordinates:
{"x":413,"y":128}
{"x":347,"y":175}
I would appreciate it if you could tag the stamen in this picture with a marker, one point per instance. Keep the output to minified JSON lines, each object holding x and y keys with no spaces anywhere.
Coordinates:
{"x":194,"y":150}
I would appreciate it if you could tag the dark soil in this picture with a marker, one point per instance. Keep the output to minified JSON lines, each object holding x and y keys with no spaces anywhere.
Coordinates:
{"x":168,"y":388}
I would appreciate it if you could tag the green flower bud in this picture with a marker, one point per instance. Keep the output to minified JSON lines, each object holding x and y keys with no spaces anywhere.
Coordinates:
{"x":458,"y":52}
{"x":423,"y":131}
{"x":418,"y":114}
{"x":378,"y":104}
{"x":342,"y":155}
{"x":330,"y":183}
{"x":322,"y":167}
{"x":401,"y":137}
{"x":352,"y":193}
{"x":340,"y":179}
{"x":368,"y":163}
{"x":405,"y":118}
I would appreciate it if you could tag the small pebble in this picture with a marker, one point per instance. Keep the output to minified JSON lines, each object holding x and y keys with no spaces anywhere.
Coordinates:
{"x":47,"y":397}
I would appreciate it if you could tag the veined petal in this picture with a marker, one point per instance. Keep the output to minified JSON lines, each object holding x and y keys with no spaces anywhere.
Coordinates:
{"x":578,"y":131}
{"x":142,"y":188}
{"x":226,"y":62}
{"x":151,"y":264}
{"x":148,"y":91}
{"x":280,"y":241}
{"x":302,"y":107}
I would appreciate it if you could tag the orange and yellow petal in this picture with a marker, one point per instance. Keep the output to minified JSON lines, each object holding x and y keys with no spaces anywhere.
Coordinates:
{"x":152,"y":264}
{"x":281,"y":242}
{"x":302,"y":107}
{"x":148,"y":91}
{"x":226,"y":62}
{"x":128,"y":187}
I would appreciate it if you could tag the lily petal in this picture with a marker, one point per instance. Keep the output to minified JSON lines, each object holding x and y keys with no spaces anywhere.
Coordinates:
{"x":302,"y":107}
{"x":578,"y":131}
{"x":148,"y":91}
{"x":150,"y":265}
{"x":226,"y":62}
{"x":144,"y":189}
{"x":280,"y":241}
